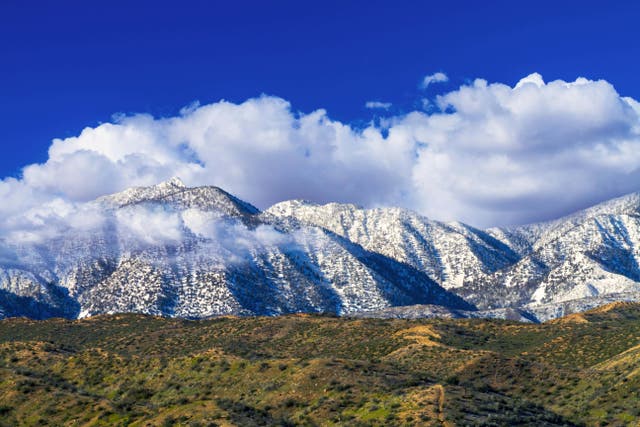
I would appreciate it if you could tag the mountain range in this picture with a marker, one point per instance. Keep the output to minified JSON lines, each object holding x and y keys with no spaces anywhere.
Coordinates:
{"x":176,"y":251}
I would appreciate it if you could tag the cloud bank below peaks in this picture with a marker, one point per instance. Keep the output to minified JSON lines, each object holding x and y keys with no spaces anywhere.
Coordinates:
{"x":491,"y":154}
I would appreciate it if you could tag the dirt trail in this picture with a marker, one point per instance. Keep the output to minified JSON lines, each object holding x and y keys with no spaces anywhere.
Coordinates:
{"x":440,"y":399}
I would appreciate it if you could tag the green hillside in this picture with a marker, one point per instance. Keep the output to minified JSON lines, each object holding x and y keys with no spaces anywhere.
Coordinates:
{"x":313,"y":370}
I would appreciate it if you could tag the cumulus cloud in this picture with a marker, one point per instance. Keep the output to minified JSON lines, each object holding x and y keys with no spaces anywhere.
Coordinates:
{"x":438,"y":77}
{"x":488,"y":154}
{"x":50,"y":219}
{"x":377,"y":105}
{"x":253,"y":150}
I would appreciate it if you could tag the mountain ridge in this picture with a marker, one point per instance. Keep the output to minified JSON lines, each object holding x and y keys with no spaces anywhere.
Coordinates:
{"x":173,"y":250}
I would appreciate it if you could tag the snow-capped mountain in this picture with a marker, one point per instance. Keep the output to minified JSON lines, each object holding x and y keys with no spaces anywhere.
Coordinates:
{"x":586,"y":256}
{"x":544,"y":270}
{"x":449,"y":253}
{"x":198,"y":252}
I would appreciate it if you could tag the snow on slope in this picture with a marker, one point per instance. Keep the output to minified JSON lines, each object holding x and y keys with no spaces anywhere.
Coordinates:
{"x":588,"y":255}
{"x":217,"y":256}
{"x":533,"y":236}
{"x":198,"y":252}
{"x":448,"y":253}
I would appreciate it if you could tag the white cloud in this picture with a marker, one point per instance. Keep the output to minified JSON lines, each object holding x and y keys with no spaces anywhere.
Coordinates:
{"x":149,"y":225}
{"x":492,"y":154}
{"x":231,"y":238}
{"x":534,"y":79}
{"x":373,"y":105}
{"x":438,"y":77}
{"x":536,"y":151}
{"x":51,"y":219}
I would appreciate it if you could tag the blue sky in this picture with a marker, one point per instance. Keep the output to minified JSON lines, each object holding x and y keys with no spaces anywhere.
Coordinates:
{"x":68,"y":65}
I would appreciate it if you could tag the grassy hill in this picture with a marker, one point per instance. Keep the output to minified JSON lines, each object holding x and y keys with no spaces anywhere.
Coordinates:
{"x":312,"y":370}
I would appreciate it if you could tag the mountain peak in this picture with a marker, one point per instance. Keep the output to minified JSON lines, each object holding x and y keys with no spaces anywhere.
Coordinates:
{"x":173,"y":182}
{"x":140,"y":194}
